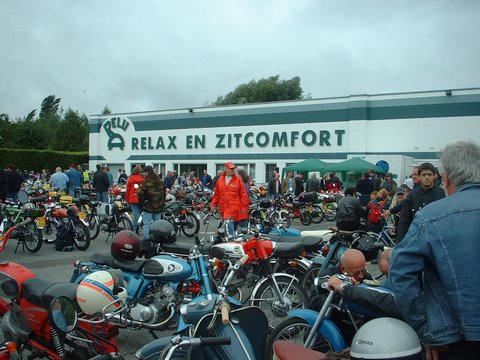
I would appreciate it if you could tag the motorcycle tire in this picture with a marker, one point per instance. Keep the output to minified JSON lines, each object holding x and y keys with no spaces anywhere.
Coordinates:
{"x":122,"y":222}
{"x":309,"y":277}
{"x":284,"y":216}
{"x":305,"y":218}
{"x":93,"y":225}
{"x":266,"y":299}
{"x":33,"y":242}
{"x":81,"y":238}
{"x":50,"y":231}
{"x":317,"y":214}
{"x":330,"y":212}
{"x":190,"y":225}
{"x":295,"y":330}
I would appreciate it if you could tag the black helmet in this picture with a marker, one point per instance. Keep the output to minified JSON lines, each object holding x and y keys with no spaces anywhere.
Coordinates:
{"x":189,"y":198}
{"x":161,"y":231}
{"x":126,"y":245}
{"x":72,"y":211}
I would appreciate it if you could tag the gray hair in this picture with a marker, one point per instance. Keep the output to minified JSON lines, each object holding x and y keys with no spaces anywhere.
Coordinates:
{"x":461,"y":161}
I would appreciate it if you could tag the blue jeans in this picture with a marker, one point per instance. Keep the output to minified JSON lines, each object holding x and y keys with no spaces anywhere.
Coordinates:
{"x":12,"y":196}
{"x":148,"y":218}
{"x":136,"y":210}
{"x":72,"y":190}
{"x":102,"y":197}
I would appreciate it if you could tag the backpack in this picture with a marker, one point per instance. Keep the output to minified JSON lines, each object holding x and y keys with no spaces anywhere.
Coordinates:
{"x":64,"y":239}
{"x":375,"y":213}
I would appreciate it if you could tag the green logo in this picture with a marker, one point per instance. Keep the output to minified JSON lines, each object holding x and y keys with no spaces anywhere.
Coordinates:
{"x":116,"y":140}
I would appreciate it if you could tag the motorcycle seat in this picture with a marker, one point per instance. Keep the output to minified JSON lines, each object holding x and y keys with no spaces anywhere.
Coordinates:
{"x":41,"y":292}
{"x":133,"y":266}
{"x":183,"y":248}
{"x":288,"y":250}
{"x":287,"y":350}
{"x":38,"y":199}
{"x":310,"y":243}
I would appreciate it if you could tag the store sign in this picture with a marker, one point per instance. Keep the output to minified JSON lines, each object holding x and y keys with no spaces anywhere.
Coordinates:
{"x":116,"y":127}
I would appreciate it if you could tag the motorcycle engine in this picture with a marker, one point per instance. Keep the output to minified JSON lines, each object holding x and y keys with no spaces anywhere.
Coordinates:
{"x":153,"y":308}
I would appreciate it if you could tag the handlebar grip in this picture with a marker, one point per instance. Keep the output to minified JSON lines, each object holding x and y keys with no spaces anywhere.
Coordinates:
{"x":225,"y":311}
{"x":211,"y":341}
{"x":24,"y":222}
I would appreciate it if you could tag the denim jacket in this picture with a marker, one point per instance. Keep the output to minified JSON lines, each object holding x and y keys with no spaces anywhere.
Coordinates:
{"x":443,"y":242}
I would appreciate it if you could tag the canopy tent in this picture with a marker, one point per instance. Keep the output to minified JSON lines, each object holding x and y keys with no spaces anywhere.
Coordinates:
{"x":355,"y":165}
{"x":306,"y":166}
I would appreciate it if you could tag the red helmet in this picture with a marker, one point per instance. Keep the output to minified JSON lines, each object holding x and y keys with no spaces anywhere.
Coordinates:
{"x":126,"y":245}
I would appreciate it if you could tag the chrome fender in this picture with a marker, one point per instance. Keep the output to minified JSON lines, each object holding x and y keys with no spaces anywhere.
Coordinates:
{"x":255,"y":289}
{"x":328,"y":329}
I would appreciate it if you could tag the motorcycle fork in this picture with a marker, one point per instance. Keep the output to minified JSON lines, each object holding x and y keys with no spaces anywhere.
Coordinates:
{"x":268,"y":271}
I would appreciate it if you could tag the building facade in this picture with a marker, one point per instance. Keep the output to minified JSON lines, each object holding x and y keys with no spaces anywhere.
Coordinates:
{"x":396,"y":131}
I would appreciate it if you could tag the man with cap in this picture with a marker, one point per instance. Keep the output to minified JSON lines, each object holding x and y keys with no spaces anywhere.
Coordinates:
{"x":395,"y":209}
{"x":231,"y":197}
{"x":389,"y":184}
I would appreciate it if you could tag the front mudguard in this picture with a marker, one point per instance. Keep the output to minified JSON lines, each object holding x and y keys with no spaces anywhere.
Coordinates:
{"x":265,"y":279}
{"x":11,"y":329}
{"x":328,"y":329}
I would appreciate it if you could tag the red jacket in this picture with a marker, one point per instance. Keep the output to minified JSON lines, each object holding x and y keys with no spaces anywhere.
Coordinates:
{"x":231,"y":198}
{"x":131,"y":195}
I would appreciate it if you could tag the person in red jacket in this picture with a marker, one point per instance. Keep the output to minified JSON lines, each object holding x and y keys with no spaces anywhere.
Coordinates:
{"x":131,"y":195}
{"x":231,"y":198}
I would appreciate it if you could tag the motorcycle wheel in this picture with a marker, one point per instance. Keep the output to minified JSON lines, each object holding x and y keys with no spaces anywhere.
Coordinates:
{"x":123,"y":222}
{"x":305,"y":218}
{"x":308,"y":278}
{"x":283,"y":219}
{"x":50,"y":232}
{"x":81,"y":238}
{"x":34,"y":239}
{"x":93,"y":226}
{"x":317,"y":214}
{"x":266,"y":299}
{"x":190,"y":225}
{"x":295,"y":330}
{"x":330,"y":212}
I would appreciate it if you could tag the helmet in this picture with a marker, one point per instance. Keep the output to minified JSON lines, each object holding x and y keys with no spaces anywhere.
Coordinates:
{"x":126,"y":245}
{"x":189,"y":198}
{"x":100,"y":290}
{"x":161,"y":231}
{"x":28,"y":206}
{"x":84,"y":199}
{"x":386,"y":338}
{"x":72,"y":211}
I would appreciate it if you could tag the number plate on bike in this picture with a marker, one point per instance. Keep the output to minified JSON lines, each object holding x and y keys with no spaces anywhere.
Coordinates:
{"x":41,"y":221}
{"x":82,"y":215}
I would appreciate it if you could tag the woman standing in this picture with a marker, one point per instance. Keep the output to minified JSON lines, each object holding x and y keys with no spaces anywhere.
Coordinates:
{"x":151,"y":198}
{"x":131,"y":194}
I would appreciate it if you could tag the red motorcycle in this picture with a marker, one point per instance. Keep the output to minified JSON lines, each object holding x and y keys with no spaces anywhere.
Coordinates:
{"x":40,"y":316}
{"x":6,"y":349}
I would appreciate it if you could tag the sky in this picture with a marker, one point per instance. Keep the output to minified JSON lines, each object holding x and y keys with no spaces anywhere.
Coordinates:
{"x":147,"y":55}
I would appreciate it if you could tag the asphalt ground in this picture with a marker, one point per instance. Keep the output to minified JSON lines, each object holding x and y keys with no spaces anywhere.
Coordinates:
{"x":58,"y":266}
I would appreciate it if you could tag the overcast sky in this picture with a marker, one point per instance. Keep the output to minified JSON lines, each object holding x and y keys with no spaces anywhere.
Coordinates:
{"x":140,"y":55}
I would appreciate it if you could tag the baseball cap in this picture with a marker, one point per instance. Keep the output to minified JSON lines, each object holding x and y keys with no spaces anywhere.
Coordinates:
{"x":388,"y":174}
{"x":147,"y":168}
{"x":400,"y":190}
{"x":230,"y":165}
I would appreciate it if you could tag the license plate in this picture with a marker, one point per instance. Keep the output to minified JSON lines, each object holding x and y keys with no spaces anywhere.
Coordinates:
{"x":41,"y":221}
{"x":82,"y":215}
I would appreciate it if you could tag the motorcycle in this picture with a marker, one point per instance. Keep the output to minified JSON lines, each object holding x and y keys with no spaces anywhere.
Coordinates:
{"x":40,"y":316}
{"x":6,"y":349}
{"x":154,"y":293}
{"x":214,"y":314}
{"x":320,"y":331}
{"x":30,"y":235}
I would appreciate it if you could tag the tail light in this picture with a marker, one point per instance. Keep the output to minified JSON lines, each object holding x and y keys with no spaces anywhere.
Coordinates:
{"x":325,"y":250}
{"x":10,"y":346}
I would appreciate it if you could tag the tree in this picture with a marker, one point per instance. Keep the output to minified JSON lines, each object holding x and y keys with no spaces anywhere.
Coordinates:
{"x":72,"y":132}
{"x":49,"y":106}
{"x":106,"y":110}
{"x":263,"y":90}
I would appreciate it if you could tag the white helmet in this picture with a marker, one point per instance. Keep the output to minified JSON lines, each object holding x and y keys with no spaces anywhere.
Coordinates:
{"x":99,"y":289}
{"x":386,"y":338}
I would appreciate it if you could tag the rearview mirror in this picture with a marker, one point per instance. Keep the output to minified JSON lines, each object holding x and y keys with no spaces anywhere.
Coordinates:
{"x":63,"y":315}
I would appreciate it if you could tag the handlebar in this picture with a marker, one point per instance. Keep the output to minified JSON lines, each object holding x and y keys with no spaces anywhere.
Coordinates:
{"x":225,"y":311}
{"x":212,"y":341}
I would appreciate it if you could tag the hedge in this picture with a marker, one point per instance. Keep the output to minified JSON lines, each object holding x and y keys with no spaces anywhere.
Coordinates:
{"x":37,"y":160}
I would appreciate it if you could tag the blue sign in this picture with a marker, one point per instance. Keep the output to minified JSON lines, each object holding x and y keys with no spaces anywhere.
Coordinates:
{"x":383,"y":164}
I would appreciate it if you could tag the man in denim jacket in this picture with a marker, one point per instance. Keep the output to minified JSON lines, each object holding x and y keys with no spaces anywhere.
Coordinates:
{"x":443,"y":243}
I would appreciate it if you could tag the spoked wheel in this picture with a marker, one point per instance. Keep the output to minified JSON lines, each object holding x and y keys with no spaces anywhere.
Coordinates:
{"x":317,"y":214}
{"x":93,"y":225}
{"x":309,"y":277}
{"x":305,"y":217}
{"x":190,"y":225}
{"x":282,"y":219}
{"x":81,"y":238}
{"x":50,"y":231}
{"x":330,"y":212}
{"x":276,"y":309}
{"x":295,"y":330}
{"x":34,"y":237}
{"x":123,"y":223}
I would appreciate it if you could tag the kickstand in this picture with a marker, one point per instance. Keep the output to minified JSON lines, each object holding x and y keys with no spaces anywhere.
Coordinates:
{"x":18,"y":244}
